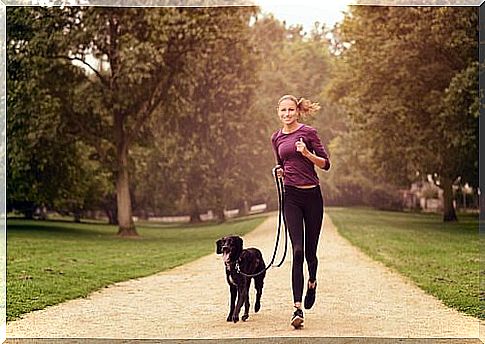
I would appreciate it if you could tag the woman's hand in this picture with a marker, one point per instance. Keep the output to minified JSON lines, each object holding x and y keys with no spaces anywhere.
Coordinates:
{"x":301,"y":147}
{"x":279,"y":171}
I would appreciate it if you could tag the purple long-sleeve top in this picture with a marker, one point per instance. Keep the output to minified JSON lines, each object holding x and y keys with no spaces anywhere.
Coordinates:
{"x":298,"y":169}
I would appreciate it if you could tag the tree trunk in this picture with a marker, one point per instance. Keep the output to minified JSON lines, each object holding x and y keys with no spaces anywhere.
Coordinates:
{"x":219,"y":213}
{"x":193,"y":194}
{"x":110,"y":209}
{"x":219,"y":204}
{"x":194,"y":209}
{"x":195,"y":216}
{"x":449,"y":213}
{"x":126,"y":226}
{"x":143,"y":214}
{"x":77,"y":215}
{"x":244,"y":209}
{"x":43,"y":213}
{"x":112,"y":216}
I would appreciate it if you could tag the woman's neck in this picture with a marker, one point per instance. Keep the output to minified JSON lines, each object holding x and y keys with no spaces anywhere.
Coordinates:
{"x":291,"y":128}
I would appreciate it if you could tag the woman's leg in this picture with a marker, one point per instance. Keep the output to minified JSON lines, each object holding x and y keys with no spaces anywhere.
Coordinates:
{"x":294,"y":221}
{"x":313,"y":216}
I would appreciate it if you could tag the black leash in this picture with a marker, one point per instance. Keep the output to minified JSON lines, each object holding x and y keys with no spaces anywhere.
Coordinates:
{"x":281,"y":220}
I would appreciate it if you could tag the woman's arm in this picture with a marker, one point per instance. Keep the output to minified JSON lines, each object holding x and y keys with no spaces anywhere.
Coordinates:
{"x":279,"y":163}
{"x":317,"y":160}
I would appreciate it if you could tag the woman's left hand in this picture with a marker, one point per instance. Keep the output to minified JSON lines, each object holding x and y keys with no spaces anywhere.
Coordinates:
{"x":301,"y":147}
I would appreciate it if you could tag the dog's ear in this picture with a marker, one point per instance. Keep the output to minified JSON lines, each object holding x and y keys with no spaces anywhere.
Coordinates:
{"x":219,"y":246}
{"x":239,"y":245}
{"x":239,"y":241}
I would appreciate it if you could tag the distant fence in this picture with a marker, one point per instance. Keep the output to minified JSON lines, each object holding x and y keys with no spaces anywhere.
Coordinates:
{"x":101,"y":215}
{"x":255,"y":209}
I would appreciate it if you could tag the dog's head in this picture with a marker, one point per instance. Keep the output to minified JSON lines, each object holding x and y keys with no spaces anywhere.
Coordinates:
{"x":230,"y":247}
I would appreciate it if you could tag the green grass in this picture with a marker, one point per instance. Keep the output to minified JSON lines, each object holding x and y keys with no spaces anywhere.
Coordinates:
{"x":441,"y":258}
{"x":52,"y":261}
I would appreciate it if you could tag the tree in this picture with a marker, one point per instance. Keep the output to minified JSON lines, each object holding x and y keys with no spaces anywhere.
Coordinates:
{"x":396,"y":65}
{"x":298,"y":63}
{"x":142,"y":69}
{"x":215,"y":148}
{"x":46,"y":166}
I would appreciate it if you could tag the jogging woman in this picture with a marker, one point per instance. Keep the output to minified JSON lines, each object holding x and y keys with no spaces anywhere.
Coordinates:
{"x":298,"y":150}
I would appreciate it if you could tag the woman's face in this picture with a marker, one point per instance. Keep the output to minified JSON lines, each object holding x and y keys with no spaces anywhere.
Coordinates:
{"x":287,"y":112}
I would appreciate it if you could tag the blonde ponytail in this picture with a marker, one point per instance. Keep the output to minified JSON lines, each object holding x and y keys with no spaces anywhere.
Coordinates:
{"x":306,"y":107}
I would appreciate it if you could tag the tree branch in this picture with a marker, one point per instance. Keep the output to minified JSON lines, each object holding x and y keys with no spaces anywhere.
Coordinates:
{"x":65,"y":57}
{"x":148,"y":106}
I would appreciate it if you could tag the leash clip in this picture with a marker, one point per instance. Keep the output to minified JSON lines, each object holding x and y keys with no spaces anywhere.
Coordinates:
{"x":238,"y":270}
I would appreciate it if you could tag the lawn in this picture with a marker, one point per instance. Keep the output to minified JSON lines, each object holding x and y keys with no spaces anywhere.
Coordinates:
{"x":441,"y":258}
{"x":49,"y":262}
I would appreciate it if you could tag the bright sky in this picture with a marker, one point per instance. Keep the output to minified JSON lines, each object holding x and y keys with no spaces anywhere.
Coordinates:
{"x":305,"y":12}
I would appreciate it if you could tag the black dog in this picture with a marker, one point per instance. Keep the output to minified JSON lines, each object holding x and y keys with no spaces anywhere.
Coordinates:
{"x":248,"y":261}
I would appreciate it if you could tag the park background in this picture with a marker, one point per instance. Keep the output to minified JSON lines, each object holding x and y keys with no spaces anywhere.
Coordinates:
{"x":156,"y":114}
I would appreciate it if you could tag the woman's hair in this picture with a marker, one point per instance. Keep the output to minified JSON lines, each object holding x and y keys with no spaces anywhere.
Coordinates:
{"x":305,"y":107}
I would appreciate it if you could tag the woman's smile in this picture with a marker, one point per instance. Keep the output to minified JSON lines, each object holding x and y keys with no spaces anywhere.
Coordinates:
{"x":287,"y":111}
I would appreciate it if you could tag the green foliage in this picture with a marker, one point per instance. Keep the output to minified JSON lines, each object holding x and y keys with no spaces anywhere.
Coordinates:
{"x":211,"y":140}
{"x":294,"y":63}
{"x":352,"y":178}
{"x":441,"y":258}
{"x":47,"y":261}
{"x":134,"y":106}
{"x":458,"y":122}
{"x":404,"y":76}
{"x":45,"y":164}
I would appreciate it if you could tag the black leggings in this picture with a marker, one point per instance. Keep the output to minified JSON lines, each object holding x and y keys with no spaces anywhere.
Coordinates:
{"x":303,"y":206}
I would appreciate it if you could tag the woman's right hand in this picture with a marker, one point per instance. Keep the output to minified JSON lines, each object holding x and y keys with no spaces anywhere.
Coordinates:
{"x":279,"y":171}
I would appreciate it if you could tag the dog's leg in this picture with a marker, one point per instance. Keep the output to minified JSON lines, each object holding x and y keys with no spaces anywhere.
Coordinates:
{"x":246,"y":302}
{"x":258,"y":282}
{"x":241,"y":297}
{"x":233,"y":290}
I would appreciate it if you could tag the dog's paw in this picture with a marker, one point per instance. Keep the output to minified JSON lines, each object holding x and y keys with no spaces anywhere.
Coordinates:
{"x":229,"y":318}
{"x":235,"y":318}
{"x":245,"y":317}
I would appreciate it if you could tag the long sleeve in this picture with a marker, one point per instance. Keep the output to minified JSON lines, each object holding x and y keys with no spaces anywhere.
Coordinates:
{"x":275,"y":149}
{"x":318,"y":148}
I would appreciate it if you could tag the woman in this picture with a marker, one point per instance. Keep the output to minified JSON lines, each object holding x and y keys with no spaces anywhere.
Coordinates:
{"x":298,"y":149}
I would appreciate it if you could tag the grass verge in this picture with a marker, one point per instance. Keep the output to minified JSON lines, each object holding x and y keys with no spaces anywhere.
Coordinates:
{"x":49,"y":262}
{"x":441,"y":258}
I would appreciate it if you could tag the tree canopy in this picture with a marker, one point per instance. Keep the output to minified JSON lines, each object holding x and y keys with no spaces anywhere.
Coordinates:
{"x":148,"y":111}
{"x":401,"y":73}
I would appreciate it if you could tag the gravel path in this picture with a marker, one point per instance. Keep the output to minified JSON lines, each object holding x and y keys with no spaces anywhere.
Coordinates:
{"x":356,"y":297}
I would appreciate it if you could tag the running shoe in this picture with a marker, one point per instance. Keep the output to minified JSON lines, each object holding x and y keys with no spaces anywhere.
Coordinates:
{"x":297,"y":319}
{"x":310,"y":297}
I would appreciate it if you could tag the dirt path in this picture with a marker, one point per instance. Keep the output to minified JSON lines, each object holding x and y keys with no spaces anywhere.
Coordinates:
{"x":356,"y":297}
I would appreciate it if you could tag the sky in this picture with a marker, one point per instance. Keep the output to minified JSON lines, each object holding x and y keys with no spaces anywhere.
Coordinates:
{"x":305,"y":12}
